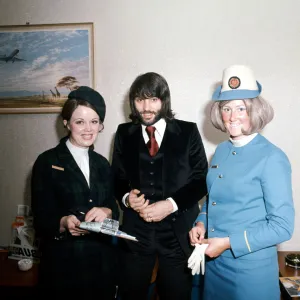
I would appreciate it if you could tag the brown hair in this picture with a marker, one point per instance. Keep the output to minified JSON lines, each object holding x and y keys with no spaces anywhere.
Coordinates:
{"x":150,"y":85}
{"x":70,"y":105}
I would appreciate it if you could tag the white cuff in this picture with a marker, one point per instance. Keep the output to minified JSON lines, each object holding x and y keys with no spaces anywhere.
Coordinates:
{"x":124,"y":198}
{"x":175,"y":207}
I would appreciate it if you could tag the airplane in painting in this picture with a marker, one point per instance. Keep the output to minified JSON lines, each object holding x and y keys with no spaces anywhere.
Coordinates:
{"x":12,"y":57}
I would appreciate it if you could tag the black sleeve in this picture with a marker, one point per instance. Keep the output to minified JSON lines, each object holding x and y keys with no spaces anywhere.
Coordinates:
{"x":121,"y":182}
{"x":195,"y":189}
{"x":45,"y":210}
{"x":111,"y":200}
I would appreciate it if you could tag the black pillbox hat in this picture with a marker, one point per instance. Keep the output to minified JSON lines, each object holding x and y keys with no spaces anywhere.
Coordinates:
{"x":93,"y":97}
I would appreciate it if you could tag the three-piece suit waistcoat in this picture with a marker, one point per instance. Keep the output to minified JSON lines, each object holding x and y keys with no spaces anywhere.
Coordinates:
{"x":151,"y":173}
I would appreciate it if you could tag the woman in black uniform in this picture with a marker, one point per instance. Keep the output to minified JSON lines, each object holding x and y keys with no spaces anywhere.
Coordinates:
{"x":72,"y":183}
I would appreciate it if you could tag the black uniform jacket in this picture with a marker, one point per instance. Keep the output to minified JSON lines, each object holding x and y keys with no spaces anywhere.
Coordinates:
{"x":184,"y":172}
{"x":58,"y":189}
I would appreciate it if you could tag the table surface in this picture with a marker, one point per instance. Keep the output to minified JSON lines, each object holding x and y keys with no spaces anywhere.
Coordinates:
{"x":286,"y":271}
{"x":10,"y":275}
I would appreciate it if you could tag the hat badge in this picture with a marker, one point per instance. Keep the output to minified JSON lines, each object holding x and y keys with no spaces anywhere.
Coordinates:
{"x":234,"y":82}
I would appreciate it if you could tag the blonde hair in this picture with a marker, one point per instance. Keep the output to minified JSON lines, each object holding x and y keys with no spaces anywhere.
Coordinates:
{"x":259,"y":110}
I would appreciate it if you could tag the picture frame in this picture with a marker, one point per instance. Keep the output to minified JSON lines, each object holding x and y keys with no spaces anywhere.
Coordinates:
{"x":41,"y":64}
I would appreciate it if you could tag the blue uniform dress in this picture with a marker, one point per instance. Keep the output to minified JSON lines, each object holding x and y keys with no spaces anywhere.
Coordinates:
{"x":250,"y":200}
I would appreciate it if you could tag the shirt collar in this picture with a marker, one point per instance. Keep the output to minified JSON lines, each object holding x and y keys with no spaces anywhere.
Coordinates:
{"x":244,"y":141}
{"x":160,"y":126}
{"x":76,"y":151}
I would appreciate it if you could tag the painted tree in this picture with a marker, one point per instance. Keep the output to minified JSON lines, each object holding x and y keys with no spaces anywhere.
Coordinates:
{"x":69,"y":82}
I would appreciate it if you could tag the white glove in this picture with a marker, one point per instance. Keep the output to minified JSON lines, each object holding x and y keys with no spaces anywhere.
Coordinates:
{"x":197,"y":259}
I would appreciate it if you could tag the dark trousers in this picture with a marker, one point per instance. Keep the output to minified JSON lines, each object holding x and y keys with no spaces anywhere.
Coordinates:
{"x":78,"y":267}
{"x":105,"y":293}
{"x":137,"y":259}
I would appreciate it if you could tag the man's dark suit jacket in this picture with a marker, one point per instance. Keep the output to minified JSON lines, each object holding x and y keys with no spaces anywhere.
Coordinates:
{"x":184,"y":173}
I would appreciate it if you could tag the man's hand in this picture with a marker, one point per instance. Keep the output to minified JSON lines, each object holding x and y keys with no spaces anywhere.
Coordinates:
{"x":98,"y":214}
{"x":137,"y":203}
{"x":216,"y":246}
{"x":157,"y":211}
{"x":197,"y":234}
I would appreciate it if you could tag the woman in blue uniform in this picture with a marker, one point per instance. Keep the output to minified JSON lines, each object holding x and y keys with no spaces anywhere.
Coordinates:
{"x":249,"y":209}
{"x":72,"y":183}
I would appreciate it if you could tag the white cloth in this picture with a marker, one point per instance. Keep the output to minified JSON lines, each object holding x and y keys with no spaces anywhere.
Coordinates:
{"x":197,"y":259}
{"x":81,"y":156}
{"x":244,"y":141}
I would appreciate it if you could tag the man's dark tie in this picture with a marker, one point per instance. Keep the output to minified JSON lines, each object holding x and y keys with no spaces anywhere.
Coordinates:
{"x":152,"y":143}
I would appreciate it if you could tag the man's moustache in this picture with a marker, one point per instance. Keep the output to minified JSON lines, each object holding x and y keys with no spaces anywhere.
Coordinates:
{"x":147,"y":112}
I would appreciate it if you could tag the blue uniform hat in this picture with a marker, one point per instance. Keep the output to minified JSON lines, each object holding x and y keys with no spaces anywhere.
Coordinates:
{"x":93,"y":97}
{"x":238,"y":83}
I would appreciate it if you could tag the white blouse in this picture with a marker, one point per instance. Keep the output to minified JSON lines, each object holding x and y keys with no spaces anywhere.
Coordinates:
{"x":81,"y":156}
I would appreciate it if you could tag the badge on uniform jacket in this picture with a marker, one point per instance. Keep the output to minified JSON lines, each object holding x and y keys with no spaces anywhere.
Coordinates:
{"x":58,"y":168}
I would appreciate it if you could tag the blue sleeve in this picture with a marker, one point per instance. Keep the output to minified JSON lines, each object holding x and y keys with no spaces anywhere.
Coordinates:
{"x":279,"y":222}
{"x":202,"y":217}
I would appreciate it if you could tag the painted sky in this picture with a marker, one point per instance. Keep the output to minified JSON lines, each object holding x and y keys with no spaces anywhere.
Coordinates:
{"x":49,"y":55}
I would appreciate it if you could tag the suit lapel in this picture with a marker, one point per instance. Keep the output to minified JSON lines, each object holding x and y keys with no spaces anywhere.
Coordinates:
{"x":169,"y":147}
{"x":170,"y":140}
{"x":69,"y":162}
{"x":93,"y":170}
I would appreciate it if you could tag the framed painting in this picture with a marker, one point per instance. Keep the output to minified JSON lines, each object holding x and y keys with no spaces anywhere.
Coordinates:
{"x":41,"y":64}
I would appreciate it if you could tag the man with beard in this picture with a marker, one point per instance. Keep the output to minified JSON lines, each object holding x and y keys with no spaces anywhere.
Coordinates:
{"x":160,"y":167}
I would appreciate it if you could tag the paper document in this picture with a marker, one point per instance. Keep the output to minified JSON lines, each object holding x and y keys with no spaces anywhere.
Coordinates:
{"x":108,"y":226}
